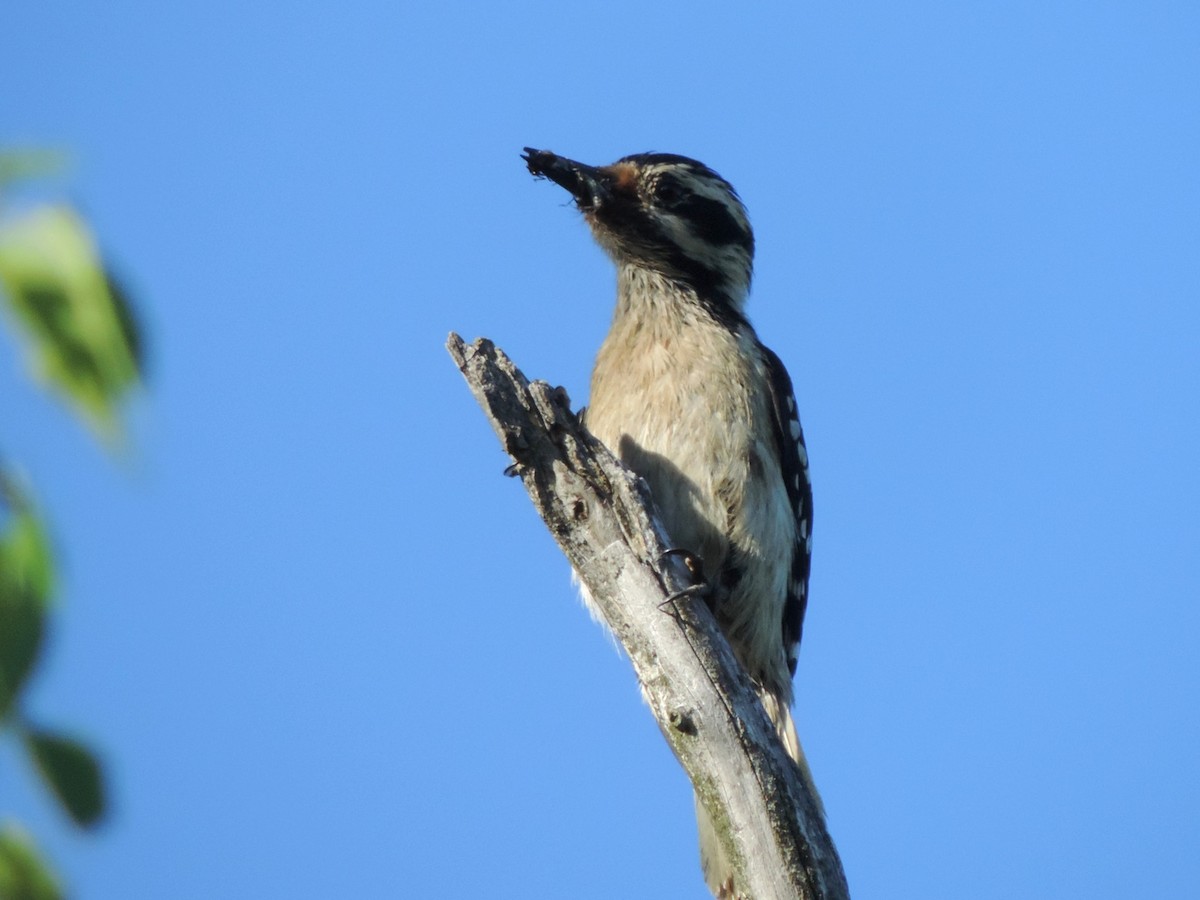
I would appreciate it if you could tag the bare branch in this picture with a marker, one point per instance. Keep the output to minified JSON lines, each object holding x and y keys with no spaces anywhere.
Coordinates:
{"x":602,"y":517}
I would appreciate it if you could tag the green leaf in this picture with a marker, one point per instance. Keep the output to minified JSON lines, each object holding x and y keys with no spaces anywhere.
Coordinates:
{"x":131,"y":332}
{"x":23,"y":873}
{"x":26,"y":588}
{"x":71,"y":771}
{"x":82,"y":336}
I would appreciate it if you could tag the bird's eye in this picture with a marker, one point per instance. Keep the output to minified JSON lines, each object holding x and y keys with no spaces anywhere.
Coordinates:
{"x":669,"y":192}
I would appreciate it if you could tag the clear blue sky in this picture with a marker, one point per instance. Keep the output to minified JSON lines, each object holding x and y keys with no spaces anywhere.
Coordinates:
{"x":328,"y":650}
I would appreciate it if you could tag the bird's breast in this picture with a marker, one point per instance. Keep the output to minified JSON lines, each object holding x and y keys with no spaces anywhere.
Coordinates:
{"x":680,"y":405}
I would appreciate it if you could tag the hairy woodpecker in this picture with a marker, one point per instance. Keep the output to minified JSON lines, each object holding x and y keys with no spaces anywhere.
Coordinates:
{"x":685,"y":394}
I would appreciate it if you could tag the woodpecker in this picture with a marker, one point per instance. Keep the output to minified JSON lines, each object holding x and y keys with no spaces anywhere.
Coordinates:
{"x":685,"y":394}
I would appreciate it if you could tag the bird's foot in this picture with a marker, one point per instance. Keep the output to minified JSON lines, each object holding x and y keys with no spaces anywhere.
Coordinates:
{"x":699,"y":587}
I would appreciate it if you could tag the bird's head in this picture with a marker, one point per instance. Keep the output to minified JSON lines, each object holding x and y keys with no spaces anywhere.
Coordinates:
{"x":666,"y":213}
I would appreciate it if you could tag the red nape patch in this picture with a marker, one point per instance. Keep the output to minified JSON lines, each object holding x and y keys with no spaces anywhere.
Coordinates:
{"x":624,"y":178}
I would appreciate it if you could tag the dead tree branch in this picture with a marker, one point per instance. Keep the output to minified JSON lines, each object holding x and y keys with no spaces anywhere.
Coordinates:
{"x":602,"y":516}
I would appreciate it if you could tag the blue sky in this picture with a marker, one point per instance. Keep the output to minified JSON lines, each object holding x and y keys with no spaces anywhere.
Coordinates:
{"x":328,"y":650}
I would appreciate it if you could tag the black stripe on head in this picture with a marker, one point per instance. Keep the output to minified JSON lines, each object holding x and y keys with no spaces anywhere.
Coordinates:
{"x":712,"y":222}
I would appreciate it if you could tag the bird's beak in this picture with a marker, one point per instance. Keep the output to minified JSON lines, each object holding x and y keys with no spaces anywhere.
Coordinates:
{"x":587,"y":184}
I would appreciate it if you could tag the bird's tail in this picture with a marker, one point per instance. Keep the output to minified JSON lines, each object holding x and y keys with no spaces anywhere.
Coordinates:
{"x":718,"y":872}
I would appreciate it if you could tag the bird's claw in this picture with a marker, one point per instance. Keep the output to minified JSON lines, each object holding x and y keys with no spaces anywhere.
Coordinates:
{"x":695,"y":567}
{"x":693,"y":563}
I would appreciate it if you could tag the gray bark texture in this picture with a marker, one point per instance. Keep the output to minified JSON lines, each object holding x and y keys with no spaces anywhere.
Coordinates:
{"x":603,"y":518}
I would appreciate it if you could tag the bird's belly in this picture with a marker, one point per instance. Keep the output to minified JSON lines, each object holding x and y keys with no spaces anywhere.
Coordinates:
{"x":698,"y":436}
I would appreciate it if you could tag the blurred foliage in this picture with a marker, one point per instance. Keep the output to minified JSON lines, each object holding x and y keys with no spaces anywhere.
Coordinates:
{"x":81,"y":333}
{"x":16,"y":167}
{"x":72,"y":773}
{"x":82,"y":341}
{"x":23,"y":875}
{"x":26,"y":582}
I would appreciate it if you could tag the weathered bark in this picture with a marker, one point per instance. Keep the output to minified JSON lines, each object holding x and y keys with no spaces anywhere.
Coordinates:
{"x":603,"y":518}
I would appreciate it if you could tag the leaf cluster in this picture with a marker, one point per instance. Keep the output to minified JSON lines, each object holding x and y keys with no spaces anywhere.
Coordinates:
{"x":83,"y":343}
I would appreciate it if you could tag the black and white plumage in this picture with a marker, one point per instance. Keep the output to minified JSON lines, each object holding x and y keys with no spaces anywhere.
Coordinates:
{"x":685,"y":394}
